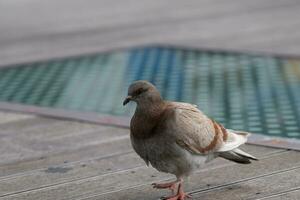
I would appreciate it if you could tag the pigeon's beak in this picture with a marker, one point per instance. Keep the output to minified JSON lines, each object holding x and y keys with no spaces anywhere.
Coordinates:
{"x":128,"y":98}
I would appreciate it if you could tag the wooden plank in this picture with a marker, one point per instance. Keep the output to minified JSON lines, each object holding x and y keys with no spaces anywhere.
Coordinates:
{"x":75,"y":171}
{"x":92,"y":152}
{"x":36,"y":137}
{"x":205,"y":180}
{"x":10,"y":147}
{"x":137,"y":177}
{"x":254,"y":188}
{"x":292,"y":194}
{"x":61,"y":174}
{"x":95,"y":151}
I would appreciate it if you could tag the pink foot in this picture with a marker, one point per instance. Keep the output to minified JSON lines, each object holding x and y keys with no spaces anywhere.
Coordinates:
{"x":178,"y":197}
{"x":171,"y":186}
{"x":180,"y":194}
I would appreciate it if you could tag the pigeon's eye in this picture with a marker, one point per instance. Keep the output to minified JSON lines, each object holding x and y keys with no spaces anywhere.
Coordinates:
{"x":139,"y":91}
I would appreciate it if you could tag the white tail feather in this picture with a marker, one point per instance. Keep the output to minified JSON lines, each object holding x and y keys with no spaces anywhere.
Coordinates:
{"x":234,"y":140}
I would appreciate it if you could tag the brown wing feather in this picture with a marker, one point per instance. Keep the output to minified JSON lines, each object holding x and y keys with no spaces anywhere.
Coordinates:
{"x":195,"y":131}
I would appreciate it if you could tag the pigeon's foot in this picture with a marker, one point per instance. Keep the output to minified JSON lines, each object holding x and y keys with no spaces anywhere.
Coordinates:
{"x":171,"y":186}
{"x":181,"y":195}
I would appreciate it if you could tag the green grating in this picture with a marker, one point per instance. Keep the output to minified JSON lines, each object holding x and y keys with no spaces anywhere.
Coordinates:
{"x":260,"y":94}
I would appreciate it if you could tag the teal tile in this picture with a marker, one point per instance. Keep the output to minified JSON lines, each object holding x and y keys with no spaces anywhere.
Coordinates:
{"x":255,"y":93}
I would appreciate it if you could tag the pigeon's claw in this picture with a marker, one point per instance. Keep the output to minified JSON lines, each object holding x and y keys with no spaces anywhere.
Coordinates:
{"x":181,"y":195}
{"x":171,"y":186}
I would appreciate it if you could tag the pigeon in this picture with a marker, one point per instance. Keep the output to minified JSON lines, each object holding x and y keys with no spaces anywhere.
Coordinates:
{"x":177,"y":138}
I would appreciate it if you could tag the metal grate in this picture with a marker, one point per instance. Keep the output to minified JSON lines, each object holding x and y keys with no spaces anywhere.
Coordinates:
{"x":260,"y":94}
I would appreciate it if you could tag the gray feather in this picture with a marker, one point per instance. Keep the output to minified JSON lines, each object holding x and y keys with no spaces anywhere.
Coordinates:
{"x":244,"y":154}
{"x":232,"y":156}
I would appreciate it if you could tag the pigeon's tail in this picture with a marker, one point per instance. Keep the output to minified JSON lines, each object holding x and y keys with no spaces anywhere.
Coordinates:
{"x":237,"y":156}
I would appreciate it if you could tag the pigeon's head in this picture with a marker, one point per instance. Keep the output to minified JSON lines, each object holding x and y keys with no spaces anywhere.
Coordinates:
{"x":142,"y":92}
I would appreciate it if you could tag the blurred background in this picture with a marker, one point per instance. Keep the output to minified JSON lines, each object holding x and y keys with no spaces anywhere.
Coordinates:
{"x":237,"y":60}
{"x":33,"y":30}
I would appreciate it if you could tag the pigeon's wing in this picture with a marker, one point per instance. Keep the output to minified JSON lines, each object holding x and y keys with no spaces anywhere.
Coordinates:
{"x":199,"y":134}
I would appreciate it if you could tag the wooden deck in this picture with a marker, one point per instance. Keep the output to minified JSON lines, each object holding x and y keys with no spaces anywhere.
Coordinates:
{"x":44,"y":158}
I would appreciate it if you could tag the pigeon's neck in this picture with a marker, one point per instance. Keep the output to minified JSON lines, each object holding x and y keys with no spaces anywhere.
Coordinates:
{"x":146,"y":118}
{"x":150,"y":111}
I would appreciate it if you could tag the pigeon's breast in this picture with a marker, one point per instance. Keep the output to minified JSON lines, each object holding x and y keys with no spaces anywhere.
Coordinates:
{"x":166,"y":156}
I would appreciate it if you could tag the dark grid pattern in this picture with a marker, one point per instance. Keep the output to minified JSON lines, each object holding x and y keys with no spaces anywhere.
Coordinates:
{"x":256,"y":93}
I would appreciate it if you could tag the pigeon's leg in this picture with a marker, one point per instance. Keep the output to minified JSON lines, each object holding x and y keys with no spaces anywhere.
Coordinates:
{"x":181,"y":195}
{"x":170,"y":185}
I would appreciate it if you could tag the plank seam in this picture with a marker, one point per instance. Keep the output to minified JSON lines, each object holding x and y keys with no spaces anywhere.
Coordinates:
{"x":78,"y":180}
{"x":244,"y":180}
{"x":277,"y":194}
{"x":69,"y":164}
{"x":168,"y":179}
{"x":95,"y":177}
